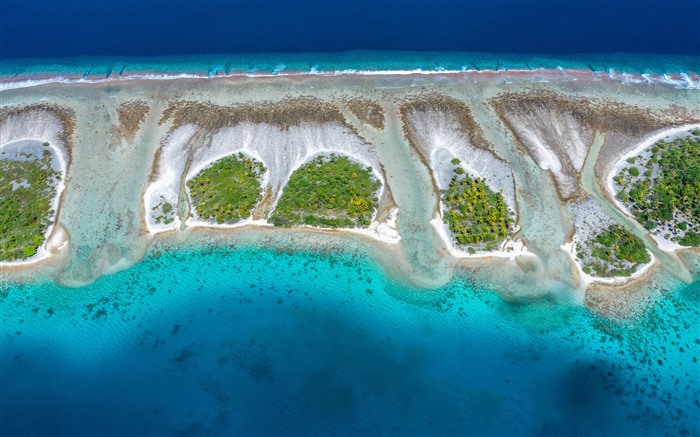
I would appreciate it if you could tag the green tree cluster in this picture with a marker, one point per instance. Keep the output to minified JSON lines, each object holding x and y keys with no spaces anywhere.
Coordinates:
{"x":228,"y":190}
{"x":612,"y":252}
{"x":657,"y":198}
{"x":330,"y":191}
{"x":476,"y":216}
{"x":26,"y":191}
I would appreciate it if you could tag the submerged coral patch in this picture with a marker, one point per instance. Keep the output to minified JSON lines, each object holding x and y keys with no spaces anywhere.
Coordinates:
{"x":367,"y":111}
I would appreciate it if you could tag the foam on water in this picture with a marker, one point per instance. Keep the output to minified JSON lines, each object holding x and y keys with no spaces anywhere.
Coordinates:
{"x":256,"y":341}
{"x":678,"y":71}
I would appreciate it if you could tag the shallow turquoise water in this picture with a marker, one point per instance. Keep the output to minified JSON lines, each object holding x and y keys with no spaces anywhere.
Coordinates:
{"x":258,"y":341}
{"x":260,"y":63}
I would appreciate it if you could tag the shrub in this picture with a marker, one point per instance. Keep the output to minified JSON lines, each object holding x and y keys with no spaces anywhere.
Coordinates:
{"x":29,"y":251}
{"x":226,"y":191}
{"x":25,"y":209}
{"x":330,"y":191}
{"x":610,"y":252}
{"x":691,"y":239}
{"x":475,"y":215}
{"x":674,"y":191}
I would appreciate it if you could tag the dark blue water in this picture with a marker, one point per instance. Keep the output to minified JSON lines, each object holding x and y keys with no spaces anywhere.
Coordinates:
{"x":104,"y":38}
{"x":251,"y":341}
{"x":152,"y":27}
{"x":258,"y":342}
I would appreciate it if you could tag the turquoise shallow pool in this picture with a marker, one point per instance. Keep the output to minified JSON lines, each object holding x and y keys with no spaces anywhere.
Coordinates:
{"x":258,"y":341}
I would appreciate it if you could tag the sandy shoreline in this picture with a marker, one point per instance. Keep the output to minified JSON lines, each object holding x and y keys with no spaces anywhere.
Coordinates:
{"x":586,"y":279}
{"x":116,"y":179}
{"x":670,"y":134}
{"x":282,"y":143}
{"x":41,"y":126}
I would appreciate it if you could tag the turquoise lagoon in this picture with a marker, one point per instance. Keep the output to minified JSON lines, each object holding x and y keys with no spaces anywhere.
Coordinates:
{"x":253,"y":340}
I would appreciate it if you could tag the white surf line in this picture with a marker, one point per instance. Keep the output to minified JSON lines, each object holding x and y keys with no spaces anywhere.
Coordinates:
{"x":685,"y":81}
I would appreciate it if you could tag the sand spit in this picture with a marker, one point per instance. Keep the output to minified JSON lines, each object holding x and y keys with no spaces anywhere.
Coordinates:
{"x":131,"y":114}
{"x":440,"y":129}
{"x":557,"y":130}
{"x":367,"y":111}
{"x":27,"y":127}
{"x":643,"y":149}
{"x":283,"y":136}
{"x":590,"y":219}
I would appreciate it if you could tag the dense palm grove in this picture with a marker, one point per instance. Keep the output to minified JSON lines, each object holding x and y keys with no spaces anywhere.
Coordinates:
{"x":330,"y":191}
{"x":228,"y":190}
{"x":477,"y":217}
{"x":612,"y":252}
{"x":662,"y":189}
{"x":26,"y":191}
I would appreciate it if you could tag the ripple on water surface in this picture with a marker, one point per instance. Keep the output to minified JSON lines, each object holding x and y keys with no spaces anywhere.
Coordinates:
{"x":259,"y":341}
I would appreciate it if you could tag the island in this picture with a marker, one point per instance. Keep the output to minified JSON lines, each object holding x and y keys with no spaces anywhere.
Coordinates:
{"x":588,"y":183}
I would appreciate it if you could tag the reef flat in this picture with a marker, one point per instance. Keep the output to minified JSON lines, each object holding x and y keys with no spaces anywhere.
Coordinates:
{"x":419,"y":153}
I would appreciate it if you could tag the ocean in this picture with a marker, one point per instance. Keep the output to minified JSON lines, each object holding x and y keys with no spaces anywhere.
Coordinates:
{"x":56,"y":28}
{"x":251,"y":340}
{"x":255,"y":341}
{"x":106,"y":38}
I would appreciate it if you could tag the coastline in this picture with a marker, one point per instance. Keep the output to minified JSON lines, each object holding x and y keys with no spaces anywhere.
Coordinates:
{"x":16,"y":129}
{"x":509,"y":248}
{"x":586,"y":279}
{"x":672,"y":133}
{"x":687,"y":80}
{"x":198,"y":120}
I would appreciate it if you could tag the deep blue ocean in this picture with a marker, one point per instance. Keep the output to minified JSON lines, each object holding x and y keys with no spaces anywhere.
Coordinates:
{"x":262,"y":342}
{"x":254,"y":341}
{"x":214,"y":37}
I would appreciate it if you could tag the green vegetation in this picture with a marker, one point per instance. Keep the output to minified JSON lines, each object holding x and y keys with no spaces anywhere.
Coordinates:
{"x":612,"y":252}
{"x":476,"y":216}
{"x":690,"y":239}
{"x":330,"y":191}
{"x":228,"y":190}
{"x":165,"y":211}
{"x":696,"y":132}
{"x":26,"y":191}
{"x":668,"y":192}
